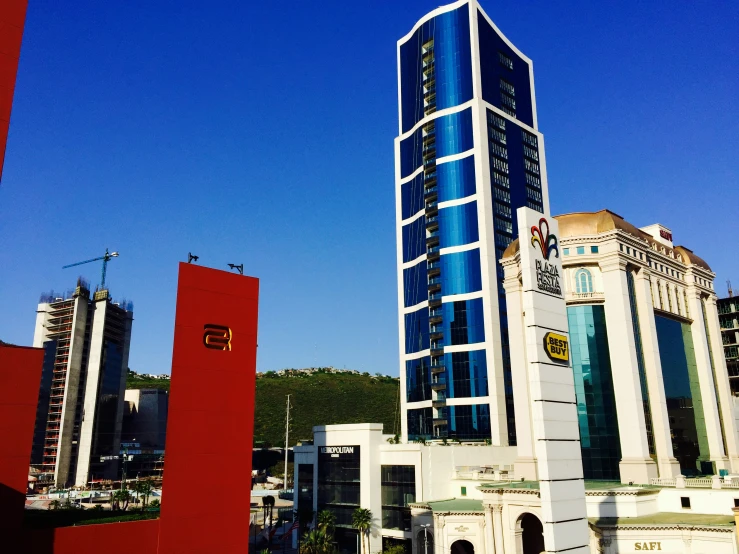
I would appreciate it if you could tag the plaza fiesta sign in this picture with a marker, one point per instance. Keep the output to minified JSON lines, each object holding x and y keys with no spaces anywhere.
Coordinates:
{"x":547,"y":274}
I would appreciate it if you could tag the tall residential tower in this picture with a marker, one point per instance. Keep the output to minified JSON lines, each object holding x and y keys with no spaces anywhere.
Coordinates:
{"x":467,"y":156}
{"x":80,"y":410}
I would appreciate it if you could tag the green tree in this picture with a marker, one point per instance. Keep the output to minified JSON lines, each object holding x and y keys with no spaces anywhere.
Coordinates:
{"x":326,"y":521}
{"x":155,"y":503}
{"x":317,"y":541}
{"x":143,"y":489}
{"x":362,"y":522}
{"x":395,"y":549}
{"x":121,"y":498}
{"x":54,"y":505}
{"x":278,"y":471}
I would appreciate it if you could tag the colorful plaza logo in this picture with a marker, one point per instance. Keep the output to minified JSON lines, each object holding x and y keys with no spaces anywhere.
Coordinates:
{"x":547,"y":241}
{"x":547,"y":273}
{"x":217,"y":337}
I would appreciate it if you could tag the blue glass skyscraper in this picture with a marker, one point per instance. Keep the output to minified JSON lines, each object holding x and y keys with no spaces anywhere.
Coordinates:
{"x":468,"y":154}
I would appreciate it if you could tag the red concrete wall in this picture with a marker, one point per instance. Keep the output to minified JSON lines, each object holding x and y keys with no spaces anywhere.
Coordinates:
{"x":211,"y":413}
{"x":20,"y":379}
{"x":209,"y":431}
{"x":12,"y":18}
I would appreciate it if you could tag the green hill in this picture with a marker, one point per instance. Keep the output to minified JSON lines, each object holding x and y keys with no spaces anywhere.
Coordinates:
{"x":318,"y":398}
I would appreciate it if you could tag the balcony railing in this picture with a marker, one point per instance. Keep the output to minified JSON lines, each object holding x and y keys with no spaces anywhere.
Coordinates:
{"x":584,"y":297}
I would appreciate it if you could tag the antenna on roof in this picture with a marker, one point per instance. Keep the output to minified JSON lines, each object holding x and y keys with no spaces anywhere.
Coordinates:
{"x":731,"y":292}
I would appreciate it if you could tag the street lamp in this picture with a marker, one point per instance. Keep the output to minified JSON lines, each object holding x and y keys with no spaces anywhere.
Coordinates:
{"x":425,"y":528}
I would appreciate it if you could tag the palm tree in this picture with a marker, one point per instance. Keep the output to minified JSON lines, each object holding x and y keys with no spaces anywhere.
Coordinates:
{"x":122,"y":497}
{"x":362,"y":522}
{"x":143,"y":488}
{"x":326,"y":521}
{"x":317,"y":541}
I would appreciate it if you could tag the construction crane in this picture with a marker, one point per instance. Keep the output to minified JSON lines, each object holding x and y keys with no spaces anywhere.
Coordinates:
{"x":106,"y":258}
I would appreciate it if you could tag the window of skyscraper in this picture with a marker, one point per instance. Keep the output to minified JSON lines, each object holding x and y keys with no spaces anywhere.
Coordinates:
{"x":505,"y":61}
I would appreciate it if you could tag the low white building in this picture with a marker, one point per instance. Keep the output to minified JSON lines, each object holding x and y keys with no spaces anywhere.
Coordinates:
{"x":467,"y":499}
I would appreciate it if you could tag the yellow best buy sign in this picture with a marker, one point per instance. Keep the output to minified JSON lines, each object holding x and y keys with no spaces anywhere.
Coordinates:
{"x":557,"y":347}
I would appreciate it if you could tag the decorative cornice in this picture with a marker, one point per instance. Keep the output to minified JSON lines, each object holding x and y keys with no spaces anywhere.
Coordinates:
{"x":664,"y":527}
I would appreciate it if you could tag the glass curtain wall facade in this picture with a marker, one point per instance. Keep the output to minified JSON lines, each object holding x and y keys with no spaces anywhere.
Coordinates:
{"x":682,"y":391}
{"x":398,"y":490}
{"x":467,"y":156}
{"x":596,"y":403}
{"x":339,"y":493}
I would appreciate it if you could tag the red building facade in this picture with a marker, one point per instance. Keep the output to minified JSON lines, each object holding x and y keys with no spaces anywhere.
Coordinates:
{"x":12,"y":18}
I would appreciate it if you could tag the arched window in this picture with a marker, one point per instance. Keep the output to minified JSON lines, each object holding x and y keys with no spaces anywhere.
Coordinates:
{"x":583,"y":281}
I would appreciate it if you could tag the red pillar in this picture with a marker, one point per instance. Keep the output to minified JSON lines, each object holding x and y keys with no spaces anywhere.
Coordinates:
{"x":211,"y":413}
{"x":12,"y":18}
{"x":20,"y":380}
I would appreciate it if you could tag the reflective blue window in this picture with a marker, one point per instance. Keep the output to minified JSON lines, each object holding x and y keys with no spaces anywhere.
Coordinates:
{"x":456,"y":179}
{"x":452,"y":56}
{"x":458,"y":225}
{"x":414,"y":239}
{"x":469,"y":375}
{"x":583,"y":281}
{"x":460,"y":272}
{"x":411,"y":153}
{"x":493,"y":72}
{"x":454,"y":133}
{"x":463,"y":321}
{"x":411,"y":197}
{"x":683,"y":395}
{"x":596,"y":402}
{"x":469,"y":422}
{"x":453,"y":136}
{"x":420,"y":424}
{"x":415,"y":284}
{"x":418,"y":379}
{"x":417,"y":331}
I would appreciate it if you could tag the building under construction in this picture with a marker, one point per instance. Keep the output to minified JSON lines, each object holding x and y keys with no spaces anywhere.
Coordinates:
{"x":86,"y":340}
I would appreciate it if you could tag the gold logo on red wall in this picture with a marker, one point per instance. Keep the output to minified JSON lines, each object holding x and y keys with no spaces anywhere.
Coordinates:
{"x":217,"y":337}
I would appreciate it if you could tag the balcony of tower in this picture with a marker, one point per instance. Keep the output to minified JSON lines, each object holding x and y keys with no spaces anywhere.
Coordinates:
{"x":440,"y":422}
{"x":434,"y":285}
{"x":439,"y":402}
{"x":438,"y":382}
{"x":437,"y":368}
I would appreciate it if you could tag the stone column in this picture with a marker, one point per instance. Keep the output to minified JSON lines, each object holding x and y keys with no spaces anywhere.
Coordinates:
{"x":706,"y":381}
{"x":667,"y":464}
{"x":489,"y":535}
{"x":439,"y":535}
{"x":498,"y":528}
{"x":525,"y":465}
{"x":636,"y":464}
{"x":722,"y":384}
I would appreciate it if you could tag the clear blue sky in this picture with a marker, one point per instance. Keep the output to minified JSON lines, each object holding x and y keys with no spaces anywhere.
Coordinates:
{"x":262,"y":133}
